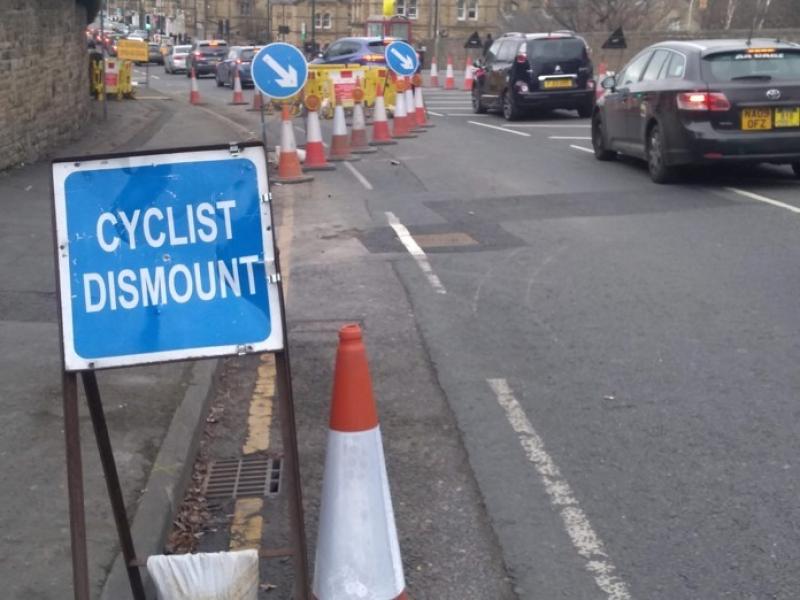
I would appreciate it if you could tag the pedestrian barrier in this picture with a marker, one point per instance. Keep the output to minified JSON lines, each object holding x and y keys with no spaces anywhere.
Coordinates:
{"x":118,"y":78}
{"x":358,"y":554}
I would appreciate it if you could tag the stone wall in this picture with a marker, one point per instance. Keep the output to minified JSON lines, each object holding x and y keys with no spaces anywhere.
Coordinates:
{"x":44,"y":97}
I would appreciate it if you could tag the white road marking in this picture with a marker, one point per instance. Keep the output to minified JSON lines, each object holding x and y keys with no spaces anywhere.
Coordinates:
{"x":548,"y":125}
{"x":155,"y":77}
{"x":468,"y":115}
{"x":582,"y":148}
{"x":362,"y":180}
{"x":435,"y":114}
{"x":568,"y":137}
{"x":414,"y":250}
{"x":580,"y":530}
{"x":522,"y":133}
{"x":761,"y":198}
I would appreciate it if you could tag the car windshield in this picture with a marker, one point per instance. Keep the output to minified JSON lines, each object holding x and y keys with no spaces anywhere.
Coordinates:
{"x":247,"y":54}
{"x":556,"y":49}
{"x":377,"y":47}
{"x":757,"y":64}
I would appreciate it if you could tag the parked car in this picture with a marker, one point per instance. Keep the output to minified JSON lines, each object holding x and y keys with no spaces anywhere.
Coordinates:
{"x":154,"y":53}
{"x":523,"y":72}
{"x":204,"y":57}
{"x":175,"y":60}
{"x":356,"y":50}
{"x":703,"y":102}
{"x":241,"y":57}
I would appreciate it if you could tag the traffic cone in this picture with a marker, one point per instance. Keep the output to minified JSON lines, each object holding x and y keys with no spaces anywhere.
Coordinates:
{"x":380,"y":124}
{"x":358,"y":553}
{"x":419,"y":105}
{"x":402,"y":129}
{"x":449,"y":78}
{"x":258,"y":102}
{"x":359,"y":144}
{"x":315,"y":152}
{"x":194,"y":95}
{"x":289,"y":170}
{"x":238,"y":96}
{"x":434,"y":73}
{"x":340,"y":143}
{"x":468,"y":75}
{"x":411,"y":110}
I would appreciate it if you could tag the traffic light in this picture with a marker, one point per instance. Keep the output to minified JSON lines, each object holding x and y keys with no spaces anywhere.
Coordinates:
{"x":147,"y":23}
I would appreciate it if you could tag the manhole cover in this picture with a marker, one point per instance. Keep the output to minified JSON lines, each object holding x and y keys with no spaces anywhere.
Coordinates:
{"x":254,"y":475}
{"x":444,"y":240}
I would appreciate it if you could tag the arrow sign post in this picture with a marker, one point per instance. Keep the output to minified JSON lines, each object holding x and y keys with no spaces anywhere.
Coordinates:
{"x":279,"y":70}
{"x":402,"y":58}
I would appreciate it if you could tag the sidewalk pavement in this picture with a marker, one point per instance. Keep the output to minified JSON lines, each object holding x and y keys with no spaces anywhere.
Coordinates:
{"x":35,"y":560}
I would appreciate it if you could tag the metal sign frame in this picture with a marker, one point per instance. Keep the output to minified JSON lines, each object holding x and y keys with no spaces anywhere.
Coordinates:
{"x":77,"y":515}
{"x":63,"y":169}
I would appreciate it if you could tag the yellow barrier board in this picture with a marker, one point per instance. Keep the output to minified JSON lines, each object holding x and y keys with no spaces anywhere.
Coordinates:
{"x":132,"y":50}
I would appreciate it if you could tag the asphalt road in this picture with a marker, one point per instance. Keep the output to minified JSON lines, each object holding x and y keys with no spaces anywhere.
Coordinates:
{"x":619,"y":356}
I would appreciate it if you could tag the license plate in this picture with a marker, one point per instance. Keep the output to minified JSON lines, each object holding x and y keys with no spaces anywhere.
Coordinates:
{"x":557,"y":83}
{"x":787,"y":117}
{"x":756,"y":119}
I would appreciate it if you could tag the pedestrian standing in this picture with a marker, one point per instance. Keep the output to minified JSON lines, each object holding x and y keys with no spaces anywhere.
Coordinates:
{"x":487,"y":43}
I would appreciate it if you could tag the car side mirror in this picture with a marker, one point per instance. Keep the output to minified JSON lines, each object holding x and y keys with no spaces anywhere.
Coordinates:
{"x":609,"y":83}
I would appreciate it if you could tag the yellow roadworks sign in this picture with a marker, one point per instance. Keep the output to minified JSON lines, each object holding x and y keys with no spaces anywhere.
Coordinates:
{"x":132,"y":50}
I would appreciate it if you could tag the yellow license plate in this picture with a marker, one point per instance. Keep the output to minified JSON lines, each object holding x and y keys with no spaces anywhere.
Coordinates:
{"x":756,"y":119}
{"x":787,"y":117}
{"x":557,"y":83}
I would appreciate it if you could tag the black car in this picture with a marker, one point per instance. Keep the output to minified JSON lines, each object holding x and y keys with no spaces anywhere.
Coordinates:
{"x":703,"y":102}
{"x":204,"y":57}
{"x":241,"y":57}
{"x":523,"y":72}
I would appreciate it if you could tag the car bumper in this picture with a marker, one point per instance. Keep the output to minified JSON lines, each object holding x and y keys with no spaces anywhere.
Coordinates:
{"x":205,"y":68}
{"x":704,"y":144}
{"x":555,"y":98}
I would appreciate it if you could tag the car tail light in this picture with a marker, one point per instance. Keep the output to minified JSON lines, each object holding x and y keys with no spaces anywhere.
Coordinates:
{"x":238,"y":61}
{"x":522,"y":58}
{"x":590,"y":83}
{"x":713,"y":101}
{"x":198,"y":54}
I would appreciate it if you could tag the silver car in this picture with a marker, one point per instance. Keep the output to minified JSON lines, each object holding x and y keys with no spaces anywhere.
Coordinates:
{"x":175,"y":60}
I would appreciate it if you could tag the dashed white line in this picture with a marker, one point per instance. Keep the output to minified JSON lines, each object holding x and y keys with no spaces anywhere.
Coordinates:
{"x":582,"y":148}
{"x":473,"y":115}
{"x":584,"y":538}
{"x":435,"y":114}
{"x":551,"y":125}
{"x":415,"y":251}
{"x":522,"y":133}
{"x":568,"y":137}
{"x":357,"y":174}
{"x":761,"y":198}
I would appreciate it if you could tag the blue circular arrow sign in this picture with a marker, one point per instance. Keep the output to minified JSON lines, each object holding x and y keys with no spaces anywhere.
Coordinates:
{"x":402,"y":58}
{"x":279,"y":70}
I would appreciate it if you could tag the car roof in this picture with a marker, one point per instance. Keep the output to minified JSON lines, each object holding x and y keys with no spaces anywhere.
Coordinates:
{"x":713,"y":46}
{"x":537,"y":36}
{"x":368,"y":39}
{"x":211,"y":41}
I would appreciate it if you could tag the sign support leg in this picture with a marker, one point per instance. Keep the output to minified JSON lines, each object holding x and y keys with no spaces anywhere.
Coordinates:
{"x":112,"y":482}
{"x":77,"y":514}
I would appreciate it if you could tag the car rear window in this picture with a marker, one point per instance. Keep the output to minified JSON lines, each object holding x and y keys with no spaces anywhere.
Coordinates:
{"x":213,"y":47}
{"x":181,"y":49}
{"x":752,"y":63}
{"x":377,"y":47}
{"x":248,"y":54}
{"x":556,"y":49}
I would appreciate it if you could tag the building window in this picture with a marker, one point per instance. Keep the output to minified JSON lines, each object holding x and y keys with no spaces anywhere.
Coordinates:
{"x":472,"y":10}
{"x":411,"y":10}
{"x":246,"y":7}
{"x":326,"y":21}
{"x":317,"y":20}
{"x":461,"y":9}
{"x":400,"y":7}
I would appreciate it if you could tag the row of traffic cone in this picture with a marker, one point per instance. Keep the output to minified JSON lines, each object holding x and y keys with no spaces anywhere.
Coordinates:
{"x":450,"y":80}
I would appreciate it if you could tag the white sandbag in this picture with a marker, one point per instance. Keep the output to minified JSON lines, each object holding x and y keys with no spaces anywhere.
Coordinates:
{"x":213,"y":576}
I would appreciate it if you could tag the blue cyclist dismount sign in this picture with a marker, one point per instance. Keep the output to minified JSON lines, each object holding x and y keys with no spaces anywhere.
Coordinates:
{"x":402,"y":58}
{"x":279,"y":70}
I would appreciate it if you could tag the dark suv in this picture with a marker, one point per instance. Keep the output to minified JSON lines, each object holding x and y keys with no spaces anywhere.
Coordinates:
{"x":522,"y":72}
{"x":204,"y":57}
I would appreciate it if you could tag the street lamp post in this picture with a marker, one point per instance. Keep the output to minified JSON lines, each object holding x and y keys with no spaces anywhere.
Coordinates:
{"x":313,"y":26}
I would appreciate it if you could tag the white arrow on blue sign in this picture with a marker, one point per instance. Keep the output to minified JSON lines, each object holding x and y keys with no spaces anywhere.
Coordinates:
{"x":402,"y":58}
{"x":279,"y":70}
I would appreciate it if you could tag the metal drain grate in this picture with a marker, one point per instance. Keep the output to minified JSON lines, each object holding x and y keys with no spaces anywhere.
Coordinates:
{"x":254,"y":475}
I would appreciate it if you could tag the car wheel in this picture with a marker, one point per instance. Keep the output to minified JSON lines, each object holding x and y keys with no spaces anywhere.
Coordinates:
{"x":510,"y":110}
{"x":598,"y":143}
{"x":660,"y":172}
{"x":477,"y":106}
{"x":585,"y":110}
{"x":796,"y":168}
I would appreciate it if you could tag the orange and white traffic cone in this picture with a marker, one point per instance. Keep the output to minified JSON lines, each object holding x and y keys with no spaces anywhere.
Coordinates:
{"x":449,"y":78}
{"x":402,"y":128}
{"x":289,"y":170}
{"x":359,"y":144}
{"x":380,"y":123}
{"x":468,"y":75}
{"x":358,"y":553}
{"x":258,"y":102}
{"x":419,"y":106}
{"x":340,"y":142}
{"x":194,"y":95}
{"x":238,"y":96}
{"x":411,"y":109}
{"x":315,"y":151}
{"x":434,"y":73}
